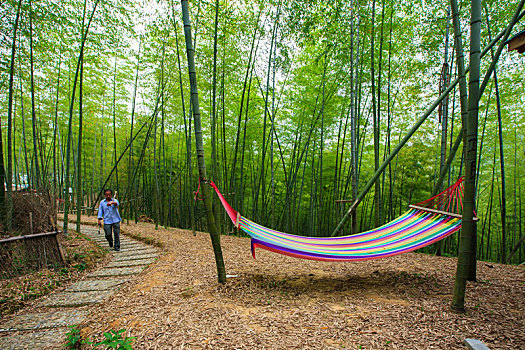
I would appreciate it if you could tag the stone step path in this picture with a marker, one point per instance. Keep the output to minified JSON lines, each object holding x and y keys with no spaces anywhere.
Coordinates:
{"x":46,"y":327}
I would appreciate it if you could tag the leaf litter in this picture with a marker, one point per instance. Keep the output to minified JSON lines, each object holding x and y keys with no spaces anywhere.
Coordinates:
{"x":278,"y":302}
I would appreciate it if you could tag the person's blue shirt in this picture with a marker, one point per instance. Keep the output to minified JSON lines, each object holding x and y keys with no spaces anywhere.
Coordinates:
{"x":109,"y":213}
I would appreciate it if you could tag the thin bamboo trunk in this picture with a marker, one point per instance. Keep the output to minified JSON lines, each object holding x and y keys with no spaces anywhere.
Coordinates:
{"x":502,"y":158}
{"x":55,"y":134}
{"x":80,"y":201}
{"x":70,"y":124}
{"x":416,"y":126}
{"x":468,"y":225}
{"x":380,"y":203}
{"x":214,"y":162}
{"x":354,"y":118}
{"x":389,"y":116}
{"x":33,"y":110}
{"x":233,"y":177}
{"x":2,"y":180}
{"x":132,"y":195}
{"x":444,"y":116}
{"x":187,"y":133}
{"x":22,"y":115}
{"x":214,"y":235}
{"x":262,"y":174}
{"x":376,"y":125}
{"x":9,"y":177}
{"x":319,"y":203}
{"x":114,"y":121}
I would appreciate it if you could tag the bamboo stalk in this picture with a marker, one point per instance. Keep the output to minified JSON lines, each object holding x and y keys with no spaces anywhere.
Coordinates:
{"x":414,"y":128}
{"x":468,"y":226}
{"x":70,"y":124}
{"x":214,"y":235}
{"x":9,"y":177}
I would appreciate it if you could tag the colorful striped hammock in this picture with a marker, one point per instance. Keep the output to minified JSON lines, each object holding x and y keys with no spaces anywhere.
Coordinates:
{"x":420,"y":226}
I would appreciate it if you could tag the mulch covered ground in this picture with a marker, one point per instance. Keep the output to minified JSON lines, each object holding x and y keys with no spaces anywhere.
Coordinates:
{"x":278,"y":302}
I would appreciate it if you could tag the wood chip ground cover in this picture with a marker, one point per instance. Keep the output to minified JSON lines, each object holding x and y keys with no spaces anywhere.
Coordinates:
{"x":277,"y":302}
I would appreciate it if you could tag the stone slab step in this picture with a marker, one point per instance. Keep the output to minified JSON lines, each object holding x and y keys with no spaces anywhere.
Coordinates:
{"x":139,"y":251}
{"x":128,"y":246}
{"x":34,"y":340}
{"x":134,"y":247}
{"x":97,"y":285}
{"x":67,"y":299}
{"x":102,"y":238}
{"x":105,"y":243}
{"x":129,"y":263}
{"x":51,"y":319}
{"x":114,"y":272}
{"x":130,"y":257}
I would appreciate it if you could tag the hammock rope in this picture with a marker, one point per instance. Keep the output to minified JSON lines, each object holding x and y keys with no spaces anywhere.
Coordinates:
{"x":423,"y":224}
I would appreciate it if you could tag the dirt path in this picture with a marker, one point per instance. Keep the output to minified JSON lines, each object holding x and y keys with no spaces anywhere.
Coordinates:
{"x":277,"y":302}
{"x":44,"y":324}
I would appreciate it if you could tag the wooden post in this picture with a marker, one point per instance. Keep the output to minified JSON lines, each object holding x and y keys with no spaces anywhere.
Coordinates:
{"x":59,"y":248}
{"x":31,"y":222}
{"x":238,"y":220}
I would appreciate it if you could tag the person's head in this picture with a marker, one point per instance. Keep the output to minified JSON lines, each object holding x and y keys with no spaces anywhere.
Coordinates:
{"x":108,"y":193}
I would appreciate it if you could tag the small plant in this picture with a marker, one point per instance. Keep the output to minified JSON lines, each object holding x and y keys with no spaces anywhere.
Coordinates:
{"x":80,"y":267}
{"x":78,"y":256}
{"x":73,"y":338}
{"x":114,"y":340}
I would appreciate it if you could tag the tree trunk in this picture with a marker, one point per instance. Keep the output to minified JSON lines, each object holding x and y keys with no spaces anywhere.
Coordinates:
{"x":214,"y":162}
{"x":33,"y":111}
{"x":114,"y":121}
{"x":80,"y":201}
{"x":132,"y":195}
{"x":444,"y":116}
{"x":70,"y":124}
{"x":468,"y":226}
{"x":502,"y":158}
{"x":214,"y":235}
{"x":419,"y":122}
{"x":9,"y":178}
{"x":376,"y":126}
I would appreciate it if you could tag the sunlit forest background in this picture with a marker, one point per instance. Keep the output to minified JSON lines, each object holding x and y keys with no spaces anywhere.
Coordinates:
{"x":291,"y":93}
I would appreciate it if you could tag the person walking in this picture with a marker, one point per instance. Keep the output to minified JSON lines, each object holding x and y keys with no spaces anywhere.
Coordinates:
{"x":108,"y":211}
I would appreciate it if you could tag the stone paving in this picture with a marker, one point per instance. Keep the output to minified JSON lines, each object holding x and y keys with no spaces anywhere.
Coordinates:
{"x":51,"y":319}
{"x":93,"y":285}
{"x":75,"y":299}
{"x":129,"y":263}
{"x":138,"y":250}
{"x":135,"y":257}
{"x":46,"y":328}
{"x":50,"y":338}
{"x":122,"y":271}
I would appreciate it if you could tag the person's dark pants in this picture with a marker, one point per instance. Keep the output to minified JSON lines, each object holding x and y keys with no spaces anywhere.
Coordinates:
{"x":116,"y":232}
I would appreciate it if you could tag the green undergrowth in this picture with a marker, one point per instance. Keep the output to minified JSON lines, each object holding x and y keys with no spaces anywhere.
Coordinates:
{"x":112,"y":340}
{"x":82,"y":256}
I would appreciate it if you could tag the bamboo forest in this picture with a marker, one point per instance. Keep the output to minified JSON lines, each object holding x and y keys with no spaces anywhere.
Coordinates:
{"x":342,"y":123}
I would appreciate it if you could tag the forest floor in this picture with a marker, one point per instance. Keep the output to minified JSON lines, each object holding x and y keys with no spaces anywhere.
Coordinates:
{"x":278,"y":302}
